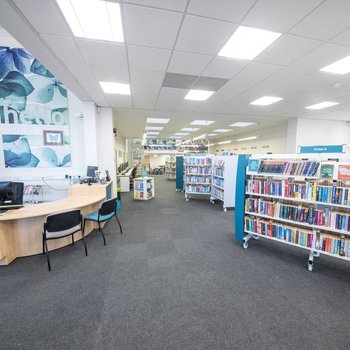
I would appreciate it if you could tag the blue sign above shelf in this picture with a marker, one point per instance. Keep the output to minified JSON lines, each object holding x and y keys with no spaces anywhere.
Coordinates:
{"x":322,"y":149}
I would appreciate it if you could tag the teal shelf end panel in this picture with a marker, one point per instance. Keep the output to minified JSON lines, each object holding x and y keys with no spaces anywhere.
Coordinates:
{"x":109,"y":191}
{"x":240,"y":196}
{"x":179,"y":173}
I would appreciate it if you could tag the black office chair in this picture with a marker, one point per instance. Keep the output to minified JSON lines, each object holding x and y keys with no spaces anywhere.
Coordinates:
{"x":132,"y":177}
{"x":59,"y":225}
{"x":106,"y":212}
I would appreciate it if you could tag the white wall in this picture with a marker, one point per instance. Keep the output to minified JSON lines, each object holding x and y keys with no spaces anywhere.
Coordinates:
{"x":157,"y":161}
{"x":312,"y":132}
{"x":272,"y":139}
{"x":120,"y":146}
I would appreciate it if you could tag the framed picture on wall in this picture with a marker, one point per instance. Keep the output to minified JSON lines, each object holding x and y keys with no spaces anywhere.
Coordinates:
{"x":53,"y":138}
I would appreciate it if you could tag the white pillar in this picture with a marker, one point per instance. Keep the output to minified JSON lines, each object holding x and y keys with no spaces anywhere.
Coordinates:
{"x":90,"y":131}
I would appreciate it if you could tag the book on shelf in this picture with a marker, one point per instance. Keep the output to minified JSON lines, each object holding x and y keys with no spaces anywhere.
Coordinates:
{"x":344,"y":172}
{"x":327,"y":170}
{"x":317,"y":240}
{"x":292,"y":168}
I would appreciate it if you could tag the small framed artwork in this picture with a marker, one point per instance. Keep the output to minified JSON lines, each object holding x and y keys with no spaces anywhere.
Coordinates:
{"x":53,"y":138}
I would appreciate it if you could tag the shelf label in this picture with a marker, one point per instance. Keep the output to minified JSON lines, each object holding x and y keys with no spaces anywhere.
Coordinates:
{"x":253,"y":165}
{"x":321,"y":149}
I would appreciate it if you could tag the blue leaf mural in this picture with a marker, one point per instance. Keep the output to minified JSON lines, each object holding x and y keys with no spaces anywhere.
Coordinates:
{"x":14,"y":58}
{"x":39,"y":69}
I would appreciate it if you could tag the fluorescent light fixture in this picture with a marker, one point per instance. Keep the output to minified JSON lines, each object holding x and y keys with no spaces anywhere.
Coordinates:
{"x":157,"y":120}
{"x":153,"y":128}
{"x":199,"y":137}
{"x":247,"y":138}
{"x":211,"y":134}
{"x":93,"y":19}
{"x":144,"y":135}
{"x":151,"y":137}
{"x":202,"y":122}
{"x":247,"y":43}
{"x":115,"y":88}
{"x":222,"y":130}
{"x":211,"y":144}
{"x":241,"y":124}
{"x":181,"y":134}
{"x":198,"y":95}
{"x":339,"y":67}
{"x":266,"y":100}
{"x":322,"y":105}
{"x":175,"y":137}
{"x":189,"y":129}
{"x":223,"y":142}
{"x":152,"y":133}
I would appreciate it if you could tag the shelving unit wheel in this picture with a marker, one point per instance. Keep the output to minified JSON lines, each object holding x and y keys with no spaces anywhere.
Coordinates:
{"x":256,"y":237}
{"x":245,"y":245}
{"x":225,"y":209}
{"x":310,"y":267}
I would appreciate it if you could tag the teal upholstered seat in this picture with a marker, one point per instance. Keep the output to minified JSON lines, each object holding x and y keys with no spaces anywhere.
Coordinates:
{"x":106,"y":212}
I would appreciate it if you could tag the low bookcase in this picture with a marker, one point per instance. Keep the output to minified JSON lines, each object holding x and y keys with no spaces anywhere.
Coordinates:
{"x":144,"y":188}
{"x":299,"y":200}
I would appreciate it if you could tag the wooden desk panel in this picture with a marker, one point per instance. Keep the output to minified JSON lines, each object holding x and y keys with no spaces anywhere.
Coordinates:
{"x":21,"y":229}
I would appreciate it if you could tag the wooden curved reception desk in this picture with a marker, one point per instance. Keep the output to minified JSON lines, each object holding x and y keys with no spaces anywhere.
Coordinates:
{"x":21,"y":229}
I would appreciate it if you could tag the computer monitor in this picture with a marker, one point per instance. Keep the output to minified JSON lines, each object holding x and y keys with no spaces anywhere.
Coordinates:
{"x":91,"y":171}
{"x":11,"y":194}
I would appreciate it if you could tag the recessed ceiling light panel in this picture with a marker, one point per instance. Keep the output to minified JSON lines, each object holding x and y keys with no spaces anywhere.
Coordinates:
{"x":198,"y":95}
{"x":247,"y":43}
{"x":93,"y":19}
{"x":222,"y":130}
{"x":202,"y":122}
{"x":211,"y":134}
{"x":157,"y":120}
{"x":154,"y":128}
{"x":223,"y":142}
{"x":247,"y":138}
{"x":189,"y":129}
{"x":339,"y":67}
{"x":181,"y":134}
{"x":152,"y":133}
{"x":115,"y":88}
{"x":266,"y":100}
{"x":241,"y":124}
{"x":322,"y":105}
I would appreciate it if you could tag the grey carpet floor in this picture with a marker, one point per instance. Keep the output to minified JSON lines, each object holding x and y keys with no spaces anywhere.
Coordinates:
{"x":176,"y":279}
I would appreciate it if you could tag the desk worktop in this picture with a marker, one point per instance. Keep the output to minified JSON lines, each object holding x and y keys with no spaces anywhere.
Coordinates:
{"x":21,"y":229}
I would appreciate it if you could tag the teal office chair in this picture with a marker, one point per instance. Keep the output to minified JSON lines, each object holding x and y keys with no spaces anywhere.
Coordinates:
{"x":106,"y":212}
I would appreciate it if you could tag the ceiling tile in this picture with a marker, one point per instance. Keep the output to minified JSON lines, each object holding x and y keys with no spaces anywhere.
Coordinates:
{"x":179,"y":81}
{"x":170,"y":98}
{"x":343,"y":38}
{"x":80,"y":71}
{"x":279,"y":15}
{"x":257,"y":71}
{"x":119,"y":101}
{"x":321,"y":57}
{"x":178,"y":5}
{"x":209,"y":84}
{"x":111,"y":74}
{"x":146,"y":77}
{"x":148,"y":58}
{"x":188,"y":63}
{"x":222,"y":67}
{"x":52,"y":22}
{"x":287,"y":49}
{"x":231,"y":89}
{"x":230,"y":10}
{"x":203,"y":36}
{"x":64,"y":47}
{"x":144,"y":96}
{"x":102,"y":53}
{"x":328,"y":20}
{"x":286,"y":76}
{"x":151,"y":27}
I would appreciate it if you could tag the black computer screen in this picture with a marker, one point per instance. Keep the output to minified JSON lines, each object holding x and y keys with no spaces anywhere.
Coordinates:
{"x":91,"y":171}
{"x":5,"y":192}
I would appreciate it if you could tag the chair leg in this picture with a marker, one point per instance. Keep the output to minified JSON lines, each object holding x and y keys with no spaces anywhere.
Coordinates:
{"x":72,"y":238}
{"x":82,"y":236}
{"x":47,"y":255}
{"x":100,"y":229}
{"x":43,"y":246}
{"x":120,"y":226}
